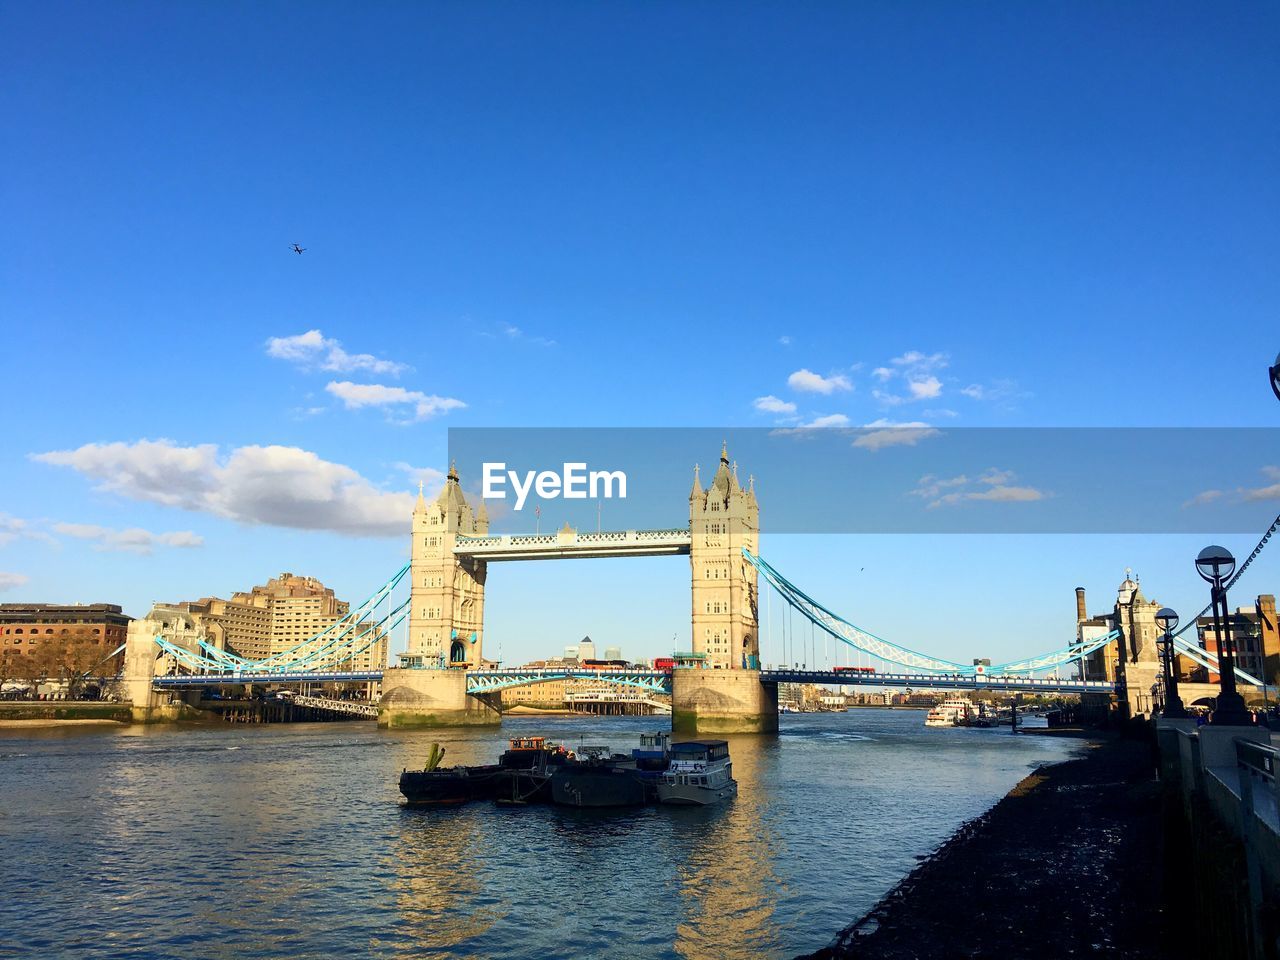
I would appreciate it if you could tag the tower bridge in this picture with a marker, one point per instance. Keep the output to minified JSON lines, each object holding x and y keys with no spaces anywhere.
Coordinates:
{"x":449,"y":574}
{"x":443,"y":677}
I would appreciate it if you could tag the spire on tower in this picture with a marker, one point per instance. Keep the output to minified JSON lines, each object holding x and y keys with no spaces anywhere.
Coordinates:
{"x":697,"y":484}
{"x":724,"y":452}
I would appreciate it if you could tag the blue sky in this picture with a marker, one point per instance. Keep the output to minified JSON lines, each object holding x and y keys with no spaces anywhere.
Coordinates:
{"x":615,"y":215}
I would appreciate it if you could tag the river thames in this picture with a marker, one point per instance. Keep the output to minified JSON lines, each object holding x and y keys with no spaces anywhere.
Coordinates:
{"x":291,"y":841}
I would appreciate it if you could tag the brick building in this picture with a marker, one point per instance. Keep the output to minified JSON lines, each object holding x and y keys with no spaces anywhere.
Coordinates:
{"x":52,"y":640}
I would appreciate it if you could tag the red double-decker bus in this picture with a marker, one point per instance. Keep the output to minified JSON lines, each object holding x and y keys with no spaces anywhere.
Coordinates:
{"x":664,"y":664}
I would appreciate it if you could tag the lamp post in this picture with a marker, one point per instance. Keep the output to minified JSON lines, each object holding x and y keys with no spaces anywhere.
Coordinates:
{"x":1275,"y":377}
{"x":1173,"y":708}
{"x":1215,"y":565}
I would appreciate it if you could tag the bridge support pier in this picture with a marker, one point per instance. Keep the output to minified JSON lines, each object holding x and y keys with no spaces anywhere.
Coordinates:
{"x":722,"y":701}
{"x":140,"y":669}
{"x":431,"y":698}
{"x":147,"y":704}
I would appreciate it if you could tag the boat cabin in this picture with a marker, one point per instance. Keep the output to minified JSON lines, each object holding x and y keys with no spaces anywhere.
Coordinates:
{"x":704,"y":750}
{"x":528,"y":743}
{"x":698,"y":756}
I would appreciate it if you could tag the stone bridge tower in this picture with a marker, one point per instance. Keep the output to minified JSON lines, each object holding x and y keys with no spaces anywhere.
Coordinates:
{"x":446,"y":616}
{"x":724,"y":694}
{"x":446,"y":620}
{"x":723,"y":519}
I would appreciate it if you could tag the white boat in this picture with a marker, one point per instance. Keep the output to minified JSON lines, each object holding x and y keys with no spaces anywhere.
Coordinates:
{"x":950,"y":713}
{"x":700,"y":773}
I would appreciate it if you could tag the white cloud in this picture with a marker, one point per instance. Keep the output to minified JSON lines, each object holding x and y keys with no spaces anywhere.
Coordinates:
{"x":925,"y":389}
{"x":1203,"y":498}
{"x":15,"y":528}
{"x":430,"y":478}
{"x":785,"y":341}
{"x":807,"y":381}
{"x":918,"y":362}
{"x":826,"y":422}
{"x":993,"y":486}
{"x":512,"y":332}
{"x":772,"y":404}
{"x":272,"y":485}
{"x":1001,"y":393}
{"x":314,"y":349}
{"x":132,"y":540}
{"x":11,"y":581}
{"x":11,"y":528}
{"x":1270,"y":492}
{"x":885,"y":433}
{"x":1005,"y":494}
{"x":357,"y":395}
{"x":917,"y":372}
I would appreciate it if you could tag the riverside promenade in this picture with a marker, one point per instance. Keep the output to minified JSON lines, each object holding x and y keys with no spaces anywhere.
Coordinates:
{"x":1072,"y":862}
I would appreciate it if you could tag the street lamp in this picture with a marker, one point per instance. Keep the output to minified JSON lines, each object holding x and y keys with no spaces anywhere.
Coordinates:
{"x":1173,"y":708}
{"x":1275,"y":377}
{"x":1215,"y":565}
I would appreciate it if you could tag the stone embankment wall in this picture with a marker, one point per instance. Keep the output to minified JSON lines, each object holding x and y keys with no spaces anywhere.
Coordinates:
{"x":1222,"y":815}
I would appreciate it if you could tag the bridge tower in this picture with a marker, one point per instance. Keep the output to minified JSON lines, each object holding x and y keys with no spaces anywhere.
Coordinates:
{"x":446,"y":619}
{"x":446,"y":616}
{"x":724,"y":694}
{"x":723,"y":519}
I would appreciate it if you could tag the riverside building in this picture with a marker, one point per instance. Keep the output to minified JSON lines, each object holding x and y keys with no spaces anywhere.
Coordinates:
{"x":78,"y":636}
{"x":277,"y":616}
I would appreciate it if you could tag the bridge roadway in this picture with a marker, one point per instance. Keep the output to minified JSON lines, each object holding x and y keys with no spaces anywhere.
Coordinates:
{"x":492,"y":681}
{"x":939,"y":681}
{"x":242,"y":679}
{"x":570,"y":544}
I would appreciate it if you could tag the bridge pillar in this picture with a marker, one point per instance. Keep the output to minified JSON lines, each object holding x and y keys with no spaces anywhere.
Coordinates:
{"x":722,"y":701}
{"x":431,"y":698}
{"x":446,"y":613}
{"x":140,"y":652}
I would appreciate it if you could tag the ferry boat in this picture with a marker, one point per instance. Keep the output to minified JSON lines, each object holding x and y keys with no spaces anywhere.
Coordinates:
{"x":949,"y":713}
{"x":700,"y":773}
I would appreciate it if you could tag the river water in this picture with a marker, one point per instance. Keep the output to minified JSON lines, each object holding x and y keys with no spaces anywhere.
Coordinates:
{"x":290,"y":841}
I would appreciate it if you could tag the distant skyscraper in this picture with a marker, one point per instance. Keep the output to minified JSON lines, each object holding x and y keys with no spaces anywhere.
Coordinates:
{"x":571,"y":653}
{"x":586,"y":649}
{"x":613,"y":653}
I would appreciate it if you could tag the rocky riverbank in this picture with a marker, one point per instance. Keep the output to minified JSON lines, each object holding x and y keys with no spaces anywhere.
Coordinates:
{"x":1069,"y":864}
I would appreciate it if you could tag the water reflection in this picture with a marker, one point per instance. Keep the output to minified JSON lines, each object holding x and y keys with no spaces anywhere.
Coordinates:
{"x":727,"y":884}
{"x":291,"y":841}
{"x":437,"y":885}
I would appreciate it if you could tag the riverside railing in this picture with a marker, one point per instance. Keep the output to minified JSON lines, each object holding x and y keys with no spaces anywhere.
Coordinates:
{"x":1226,"y":777}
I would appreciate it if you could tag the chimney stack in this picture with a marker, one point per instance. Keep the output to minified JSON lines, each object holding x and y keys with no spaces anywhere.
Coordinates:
{"x":1082,"y":611}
